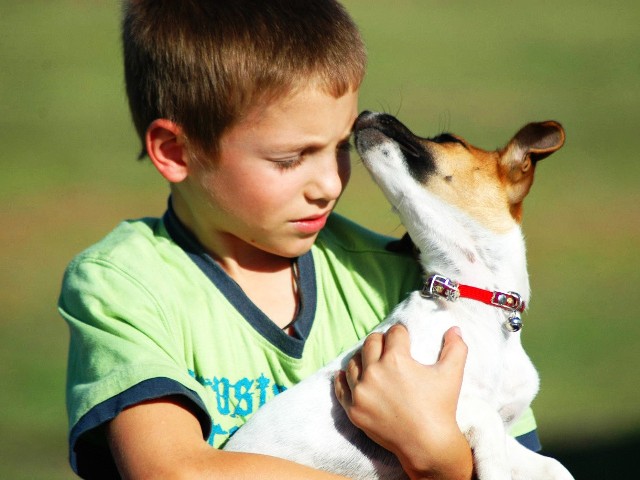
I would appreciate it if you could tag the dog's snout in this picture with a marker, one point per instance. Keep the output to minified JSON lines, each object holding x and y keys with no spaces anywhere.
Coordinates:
{"x":387,"y":124}
{"x":365,"y":120}
{"x":374,"y":129}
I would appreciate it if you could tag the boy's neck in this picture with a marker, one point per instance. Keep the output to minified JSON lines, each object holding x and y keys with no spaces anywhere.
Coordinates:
{"x":268,"y":280}
{"x":273,"y":292}
{"x":270,"y":283}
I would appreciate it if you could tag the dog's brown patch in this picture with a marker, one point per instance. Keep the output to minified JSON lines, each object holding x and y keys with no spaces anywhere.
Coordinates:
{"x":470,"y":179}
{"x":491,"y":185}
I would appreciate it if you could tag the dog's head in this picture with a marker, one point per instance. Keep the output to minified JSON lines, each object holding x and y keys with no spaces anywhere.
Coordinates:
{"x":489,"y":186}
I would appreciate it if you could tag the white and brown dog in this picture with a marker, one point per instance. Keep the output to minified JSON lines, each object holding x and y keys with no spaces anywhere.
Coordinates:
{"x":462,"y":207}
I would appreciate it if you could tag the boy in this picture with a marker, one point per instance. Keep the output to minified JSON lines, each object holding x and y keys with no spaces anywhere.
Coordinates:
{"x":181,"y":327}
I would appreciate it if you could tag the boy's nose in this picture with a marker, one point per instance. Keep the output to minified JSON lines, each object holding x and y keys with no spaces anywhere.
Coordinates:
{"x":329,"y":180}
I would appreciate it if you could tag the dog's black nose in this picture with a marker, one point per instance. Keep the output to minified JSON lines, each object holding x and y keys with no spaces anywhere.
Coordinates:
{"x":364,"y":120}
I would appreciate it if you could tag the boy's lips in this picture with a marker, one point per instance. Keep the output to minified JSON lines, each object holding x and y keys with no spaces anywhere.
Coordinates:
{"x":311,"y":224}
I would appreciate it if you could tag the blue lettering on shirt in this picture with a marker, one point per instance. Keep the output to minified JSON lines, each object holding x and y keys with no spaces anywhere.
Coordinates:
{"x":221,"y":388}
{"x":236,"y":400}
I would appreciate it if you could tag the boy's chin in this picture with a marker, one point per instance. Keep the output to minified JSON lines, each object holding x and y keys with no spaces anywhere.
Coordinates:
{"x":295,"y":248}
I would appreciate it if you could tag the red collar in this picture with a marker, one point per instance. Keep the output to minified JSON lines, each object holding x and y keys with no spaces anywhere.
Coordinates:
{"x":441,"y":286}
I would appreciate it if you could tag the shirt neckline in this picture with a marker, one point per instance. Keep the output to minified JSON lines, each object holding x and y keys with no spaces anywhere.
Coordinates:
{"x":292,"y":345}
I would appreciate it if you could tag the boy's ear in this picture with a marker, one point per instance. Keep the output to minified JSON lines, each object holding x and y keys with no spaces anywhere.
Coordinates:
{"x":166,"y":149}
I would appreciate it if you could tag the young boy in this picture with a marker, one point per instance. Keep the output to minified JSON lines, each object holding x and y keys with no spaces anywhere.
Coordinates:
{"x":183,"y":326}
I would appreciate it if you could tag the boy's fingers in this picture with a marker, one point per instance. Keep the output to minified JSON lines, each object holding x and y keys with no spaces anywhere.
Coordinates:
{"x":372,"y":349}
{"x":353,"y":371}
{"x":397,"y":337}
{"x":453,"y":355}
{"x":342,"y":390}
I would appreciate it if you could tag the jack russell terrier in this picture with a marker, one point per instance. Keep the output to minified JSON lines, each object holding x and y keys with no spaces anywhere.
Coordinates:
{"x":462,"y":208}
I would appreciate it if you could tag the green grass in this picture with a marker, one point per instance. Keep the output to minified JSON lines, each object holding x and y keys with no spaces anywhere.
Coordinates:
{"x":480,"y":70}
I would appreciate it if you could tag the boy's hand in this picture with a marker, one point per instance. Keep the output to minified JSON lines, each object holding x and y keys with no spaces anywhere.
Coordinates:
{"x":409,"y":408}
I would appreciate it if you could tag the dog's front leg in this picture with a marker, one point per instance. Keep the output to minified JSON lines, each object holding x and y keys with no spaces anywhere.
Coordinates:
{"x":528,"y":465}
{"x":484,"y":430}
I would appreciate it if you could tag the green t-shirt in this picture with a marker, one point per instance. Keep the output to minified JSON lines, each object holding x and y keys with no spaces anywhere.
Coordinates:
{"x":152,"y":315}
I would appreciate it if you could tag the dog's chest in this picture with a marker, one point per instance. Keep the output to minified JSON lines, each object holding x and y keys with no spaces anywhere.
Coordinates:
{"x":497,"y":368}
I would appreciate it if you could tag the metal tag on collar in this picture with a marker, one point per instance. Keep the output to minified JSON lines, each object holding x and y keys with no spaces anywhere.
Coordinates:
{"x":513,"y":302}
{"x":441,"y":286}
{"x":510,"y":300}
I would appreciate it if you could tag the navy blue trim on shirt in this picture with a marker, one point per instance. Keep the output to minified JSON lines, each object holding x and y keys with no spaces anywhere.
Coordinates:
{"x":90,"y":457}
{"x":530,"y":440}
{"x":292,"y":345}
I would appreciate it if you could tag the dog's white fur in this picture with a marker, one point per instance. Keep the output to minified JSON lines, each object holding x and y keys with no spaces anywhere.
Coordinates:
{"x":306,"y":424}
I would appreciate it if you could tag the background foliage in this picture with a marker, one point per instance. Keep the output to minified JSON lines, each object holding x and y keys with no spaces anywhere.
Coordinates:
{"x":478,"y":69}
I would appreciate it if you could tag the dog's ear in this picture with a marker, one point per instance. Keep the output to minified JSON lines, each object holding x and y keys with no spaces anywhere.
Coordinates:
{"x":532,"y":143}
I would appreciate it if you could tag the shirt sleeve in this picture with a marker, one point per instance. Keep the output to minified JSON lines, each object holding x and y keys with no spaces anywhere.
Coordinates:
{"x":525,"y":431}
{"x":123,"y":351}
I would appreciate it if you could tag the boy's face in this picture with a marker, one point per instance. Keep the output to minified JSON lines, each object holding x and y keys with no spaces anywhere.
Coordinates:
{"x":279,"y":174}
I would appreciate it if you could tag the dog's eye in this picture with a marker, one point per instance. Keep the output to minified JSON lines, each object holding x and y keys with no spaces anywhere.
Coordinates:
{"x":447,"y":138}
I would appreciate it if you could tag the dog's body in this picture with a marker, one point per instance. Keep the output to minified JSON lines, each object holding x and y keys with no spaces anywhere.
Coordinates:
{"x":462,"y":207}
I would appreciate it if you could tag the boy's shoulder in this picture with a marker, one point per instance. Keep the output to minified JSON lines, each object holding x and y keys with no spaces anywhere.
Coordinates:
{"x":343,"y":233}
{"x":365,"y":252}
{"x":126,"y":233}
{"x":130,"y":242}
{"x":371,"y":277}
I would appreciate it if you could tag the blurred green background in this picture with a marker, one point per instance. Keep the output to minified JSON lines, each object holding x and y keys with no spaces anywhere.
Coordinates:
{"x":478,"y":69}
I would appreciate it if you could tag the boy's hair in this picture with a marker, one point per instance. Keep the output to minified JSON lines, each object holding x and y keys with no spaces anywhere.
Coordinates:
{"x":204,"y":63}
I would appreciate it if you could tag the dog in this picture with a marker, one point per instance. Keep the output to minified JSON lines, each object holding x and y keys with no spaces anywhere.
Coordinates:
{"x":462,"y":208}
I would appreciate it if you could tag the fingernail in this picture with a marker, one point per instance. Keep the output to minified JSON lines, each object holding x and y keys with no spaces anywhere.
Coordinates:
{"x":457,"y":331}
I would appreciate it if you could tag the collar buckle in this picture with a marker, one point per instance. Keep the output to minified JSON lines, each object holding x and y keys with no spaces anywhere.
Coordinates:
{"x":441,"y":286}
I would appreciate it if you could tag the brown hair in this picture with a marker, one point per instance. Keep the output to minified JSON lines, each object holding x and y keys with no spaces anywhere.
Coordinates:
{"x":203,"y":64}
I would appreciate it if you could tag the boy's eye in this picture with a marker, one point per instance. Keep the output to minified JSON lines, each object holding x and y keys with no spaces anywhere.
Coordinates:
{"x":288,"y":164}
{"x":343,"y":149}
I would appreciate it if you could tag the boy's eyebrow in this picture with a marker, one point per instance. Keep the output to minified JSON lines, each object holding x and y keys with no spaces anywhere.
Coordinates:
{"x":295,"y":147}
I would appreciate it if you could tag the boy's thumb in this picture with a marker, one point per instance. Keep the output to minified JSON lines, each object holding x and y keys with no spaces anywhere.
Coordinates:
{"x":454,"y":351}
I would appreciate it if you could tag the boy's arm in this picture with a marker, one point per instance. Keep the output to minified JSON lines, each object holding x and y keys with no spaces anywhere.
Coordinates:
{"x":163,"y":439}
{"x":407,"y":407}
{"x":382,"y":392}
